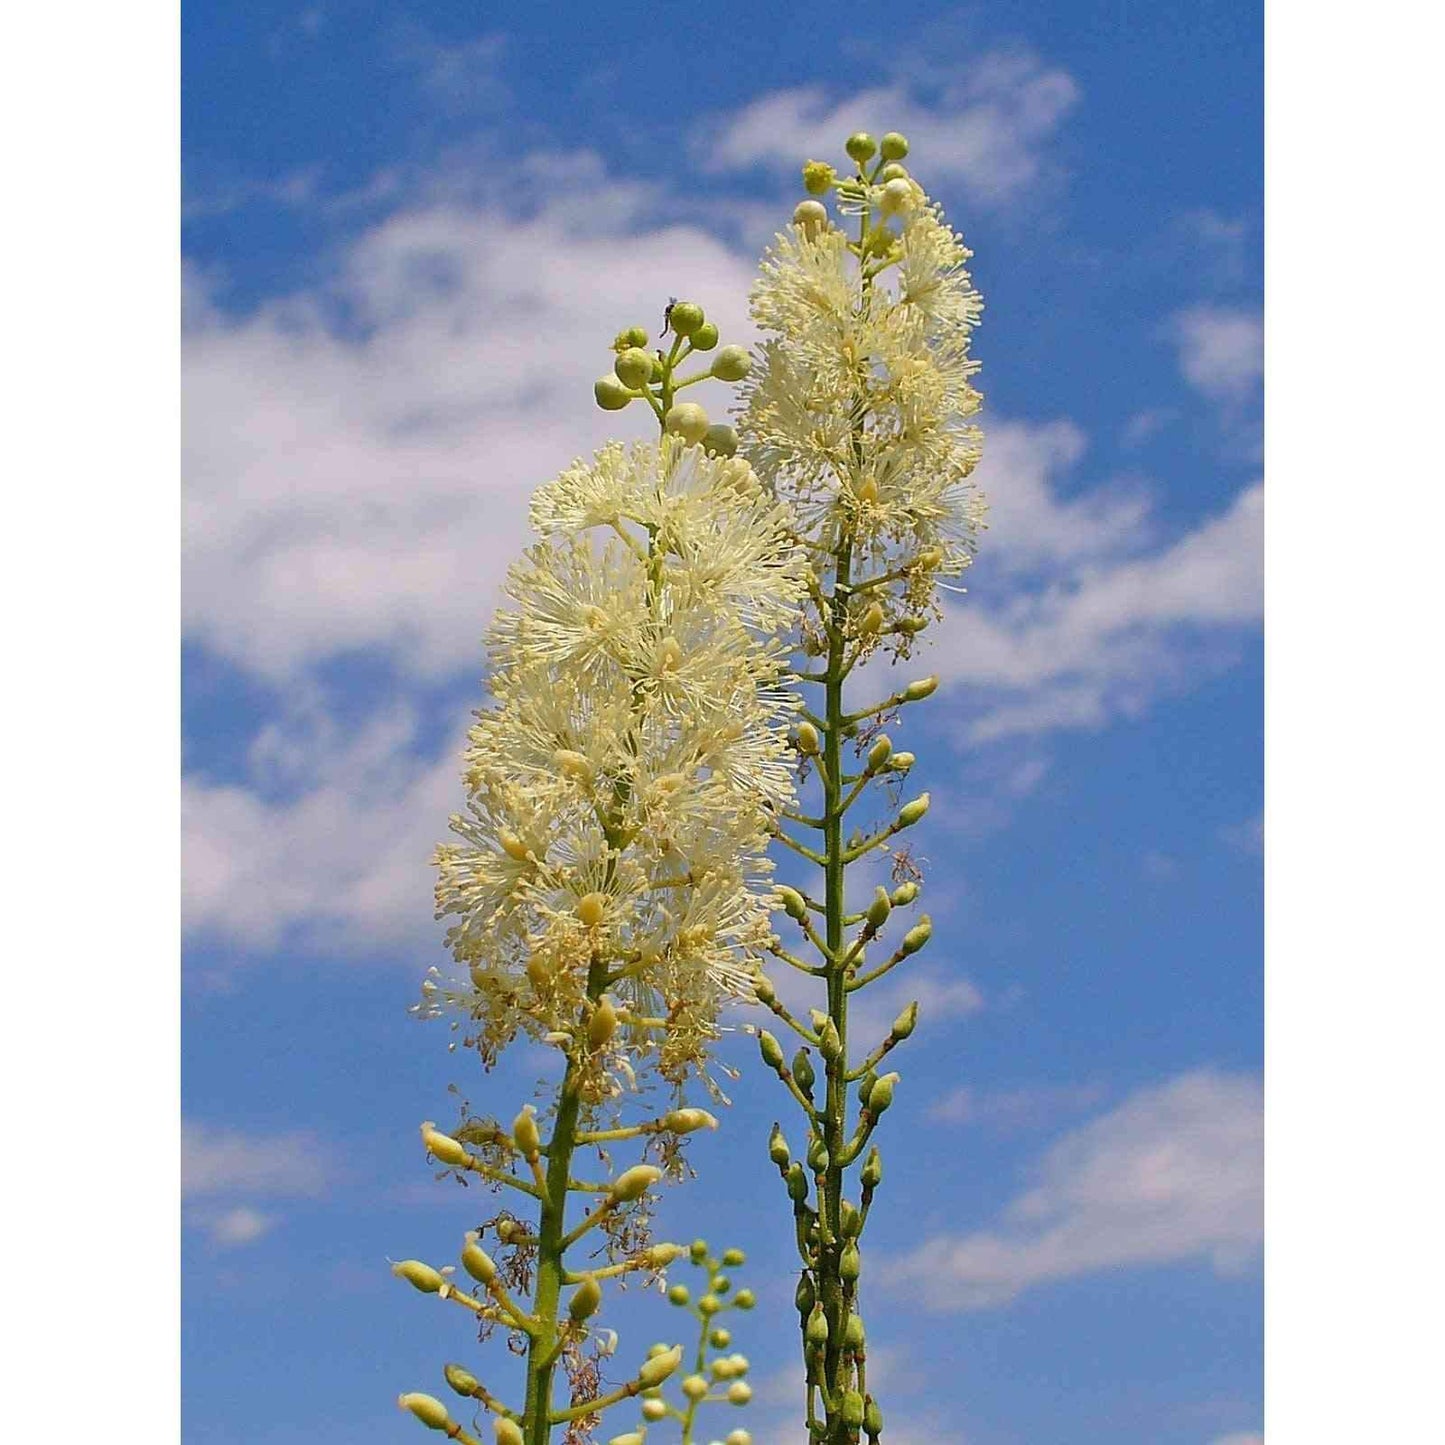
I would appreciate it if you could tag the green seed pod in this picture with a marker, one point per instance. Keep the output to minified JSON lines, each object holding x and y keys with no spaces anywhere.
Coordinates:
{"x":880,"y":752}
{"x":446,"y":1149}
{"x":705,"y":337}
{"x":853,"y":1335}
{"x":524,"y":1132}
{"x":476,"y":1261}
{"x":732,"y":363}
{"x":879,"y":909}
{"x":850,"y":1263}
{"x":603,"y":1023}
{"x":917,"y":691}
{"x":873,"y":1418}
{"x":805,"y":1296}
{"x":904,"y":894}
{"x":811,"y":218}
{"x":861,"y":146}
{"x":797,"y":1183}
{"x":778,"y":1147}
{"x":610,"y":394}
{"x":422,"y":1276}
{"x":659,"y":1367}
{"x":771,"y":1049}
{"x":585,"y":1300}
{"x":880,"y":1096}
{"x":685,"y":317}
{"x":461,"y":1380}
{"x":893,"y":147}
{"x":818,"y":178}
{"x":803,"y":1071}
{"x":917,"y":936}
{"x":816,"y":1332}
{"x":910,"y":813}
{"x":633,"y":367}
{"x":872,"y":1174}
{"x":745,"y":1299}
{"x":720,"y":440}
{"x":794,"y":904}
{"x":427,"y":1408}
{"x":633,"y":1183}
{"x":852,"y":1409}
{"x":905,"y":1023}
{"x":687,"y":420}
{"x":807,"y":739}
{"x":679,"y":1294}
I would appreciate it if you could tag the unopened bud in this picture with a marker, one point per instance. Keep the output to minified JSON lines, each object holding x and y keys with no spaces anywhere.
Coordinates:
{"x":807,"y":739}
{"x":893,"y":146}
{"x":917,"y":691}
{"x":852,"y":1409}
{"x":705,"y":337}
{"x":880,"y":1096}
{"x":573,"y":764}
{"x":697,"y":1250}
{"x":739,"y":1392}
{"x":860,"y":146}
{"x":763,"y":989}
{"x":654,"y":1410}
{"x":910,"y":813}
{"x":853,"y":1334}
{"x":603,"y":1023}
{"x":892,"y":172}
{"x":873,"y":1418}
{"x":720,"y":440}
{"x":688,"y":1121}
{"x":794,"y":904}
{"x":872,"y":1173}
{"x":901,"y":762}
{"x":732,"y":363}
{"x":679,"y":1295}
{"x":631,"y":1437}
{"x":818,"y":1158}
{"x":898,"y":195}
{"x":905,"y":1023}
{"x":816,"y":1332}
{"x":633,"y":1183}
{"x":910,"y":626}
{"x":803,"y":1071}
{"x":476,"y":1261}
{"x":591,"y":909}
{"x":687,"y":420}
{"x":879,"y":909}
{"x":904,"y":894}
{"x":797,"y":1183}
{"x":610,"y":394}
{"x":850,"y":1263}
{"x":917,"y":936}
{"x":694,"y":1387}
{"x":805,"y":1296}
{"x":427,"y":1408}
{"x":513,"y":847}
{"x":818,"y":178}
{"x":871,"y":620}
{"x":461,"y":1380}
{"x":850,"y":1222}
{"x":659,"y":1256}
{"x":810,"y":217}
{"x":423,"y":1276}
{"x":633,"y":367}
{"x":659,"y":1367}
{"x":738,"y":1437}
{"x":685,"y":317}
{"x":778,"y":1148}
{"x":585,"y":1300}
{"x":829,"y":1044}
{"x":444,"y":1147}
{"x":880,"y":752}
{"x":525,"y":1134}
{"x":771,"y":1049}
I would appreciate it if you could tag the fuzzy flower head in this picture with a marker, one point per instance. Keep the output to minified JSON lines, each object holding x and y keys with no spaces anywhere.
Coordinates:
{"x":622,"y":784}
{"x":859,"y":415}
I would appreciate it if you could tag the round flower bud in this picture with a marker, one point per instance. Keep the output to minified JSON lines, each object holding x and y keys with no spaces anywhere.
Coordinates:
{"x":603,"y":1023}
{"x":732,"y":363}
{"x":917,"y":691}
{"x":635,"y":336}
{"x":803,"y":1070}
{"x":709,"y":1304}
{"x":901,"y":762}
{"x":850,"y":1263}
{"x":905,"y":1023}
{"x":852,"y":1408}
{"x":694,"y":1387}
{"x":745,"y":1299}
{"x":633,"y":367}
{"x":897,"y":196}
{"x":720,"y":1338}
{"x":591,"y":909}
{"x":688,"y":1121}
{"x":879,"y":909}
{"x":720,"y":440}
{"x":853,"y":1335}
{"x":444,"y":1147}
{"x":697,"y":1250}
{"x":524,"y":1132}
{"x":461,"y":1379}
{"x":654,"y":1410}
{"x":721,"y":1284}
{"x":659,"y":1367}
{"x":427,"y":1408}
{"x":905,"y":893}
{"x":893,"y":147}
{"x":423,"y":1276}
{"x":687,"y":420}
{"x":811,"y":217}
{"x":917,"y":936}
{"x":732,"y":1258}
{"x":610,"y":393}
{"x":685,"y":317}
{"x":880,"y":1096}
{"x":818,"y":178}
{"x":816,"y":1332}
{"x":778,"y":1148}
{"x":880,"y":752}
{"x":892,"y":172}
{"x":476,"y":1261}
{"x":738,"y":1437}
{"x":807,"y":739}
{"x":739,"y":1392}
{"x":705,"y":337}
{"x":860,"y":146}
{"x":586,"y":1300}
{"x":679,"y":1294}
{"x":910,"y":813}
{"x":771,"y":1049}
{"x":872,"y":1175}
{"x":634,"y":1183}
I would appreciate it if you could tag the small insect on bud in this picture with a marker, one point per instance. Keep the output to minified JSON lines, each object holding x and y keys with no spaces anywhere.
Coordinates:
{"x":444,"y":1147}
{"x":732,"y":363}
{"x":880,"y":752}
{"x":905,"y":1023}
{"x":705,"y":337}
{"x":476,"y":1261}
{"x":816,"y":1332}
{"x":811,"y":218}
{"x":917,"y":691}
{"x":901,"y":762}
{"x":687,"y":420}
{"x":633,"y":1183}
{"x":916,"y":936}
{"x":739,"y":1392}
{"x":880,"y":1096}
{"x":850,"y":1263}
{"x":904,"y":894}
{"x":610,"y":394}
{"x":771,"y":1049}
{"x":720,"y":440}
{"x":688,"y":1121}
{"x":818,"y":178}
{"x":763,"y":989}
{"x":860,"y":146}
{"x":893,"y":147}
{"x":423,"y":1276}
{"x":910,"y":813}
{"x":872,"y":1174}
{"x":524,"y":1132}
{"x":633,"y":367}
{"x":603,"y":1023}
{"x":879,"y":909}
{"x":871,"y":621}
{"x":585,"y":1300}
{"x":778,"y":1147}
{"x":852,"y":1409}
{"x":685,"y":317}
{"x":591,"y":909}
{"x":898,"y":196}
{"x":807,"y":739}
{"x":803,"y":1070}
{"x":461,"y":1380}
{"x":654,"y":1410}
{"x":427,"y":1408}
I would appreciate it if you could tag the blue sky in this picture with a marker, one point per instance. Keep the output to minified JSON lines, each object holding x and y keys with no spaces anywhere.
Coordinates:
{"x":410,"y":232}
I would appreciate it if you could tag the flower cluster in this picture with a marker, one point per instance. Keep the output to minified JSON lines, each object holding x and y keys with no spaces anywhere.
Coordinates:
{"x":622,"y":786}
{"x":858,"y":417}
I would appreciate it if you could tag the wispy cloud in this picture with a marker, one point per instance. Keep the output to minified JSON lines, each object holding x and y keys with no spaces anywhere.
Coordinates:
{"x":1173,"y":1173}
{"x":222,"y":1170}
{"x":1014,"y":1111}
{"x":1221,"y":350}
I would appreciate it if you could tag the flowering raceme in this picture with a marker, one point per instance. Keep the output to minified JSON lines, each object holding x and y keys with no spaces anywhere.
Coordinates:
{"x":621,"y":787}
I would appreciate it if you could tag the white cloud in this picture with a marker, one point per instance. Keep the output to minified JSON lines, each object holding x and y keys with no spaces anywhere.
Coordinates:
{"x":232,"y":1228}
{"x":1221,"y":350}
{"x":1014,"y":1110}
{"x":987,"y":128}
{"x":1174,"y":1173}
{"x":223,"y":1161}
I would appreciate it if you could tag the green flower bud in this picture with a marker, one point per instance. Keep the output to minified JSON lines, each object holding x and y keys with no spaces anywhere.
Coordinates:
{"x":461,"y":1380}
{"x":860,"y":146}
{"x":905,"y":1023}
{"x":687,"y":420}
{"x":910,"y":813}
{"x":603,"y":1023}
{"x":778,"y":1147}
{"x":829,"y":1044}
{"x":917,"y":936}
{"x":585,"y":1300}
{"x":721,"y":1284}
{"x":476,"y":1261}
{"x":705,"y":337}
{"x":910,"y":626}
{"x":811,"y":218}
{"x":732,"y":363}
{"x":794,"y":904}
{"x":873,"y":1417}
{"x":871,"y":620}
{"x":688,"y":1121}
{"x":685,"y":317}
{"x":633,"y":367}
{"x":905,"y":893}
{"x":880,"y":1096}
{"x":697,"y":1250}
{"x":817,"y":1018}
{"x":893,"y":147}
{"x":853,"y":1335}
{"x":901,"y":762}
{"x":805,"y":1296}
{"x":892,"y":172}
{"x":850,"y":1222}
{"x":720,"y":1338}
{"x":763,"y":989}
{"x":803,"y":1071}
{"x":880,"y":752}
{"x":850,"y":1263}
{"x":659,"y":1367}
{"x":879,"y":909}
{"x":694,"y":1387}
{"x":635,"y":336}
{"x":659,"y":1256}
{"x":679,"y":1294}
{"x":872,"y":1174}
{"x":816,"y":1332}
{"x":423,"y":1276}
{"x":797,"y":1183}
{"x":524,"y":1132}
{"x":807,"y":739}
{"x":709,"y":1304}
{"x":818,"y":178}
{"x":739,"y":1392}
{"x":771,"y":1049}
{"x":427,"y":1408}
{"x":817,"y":1156}
{"x":852,"y":1408}
{"x":745,"y":1299}
{"x":720,"y":440}
{"x":610,"y":393}
{"x":633,"y":1183}
{"x":444,"y":1147}
{"x":654,"y":1410}
{"x":917,"y":691}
